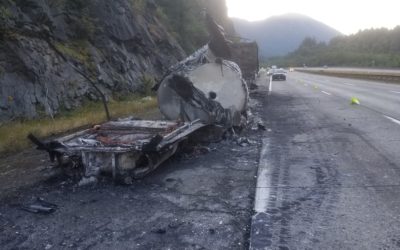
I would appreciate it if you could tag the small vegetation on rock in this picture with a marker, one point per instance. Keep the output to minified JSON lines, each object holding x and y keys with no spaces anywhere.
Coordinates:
{"x":78,"y":51}
{"x":147,"y":85}
{"x":5,"y":19}
{"x":138,"y":5}
{"x":79,"y":18}
{"x":185,"y":19}
{"x":75,"y":50}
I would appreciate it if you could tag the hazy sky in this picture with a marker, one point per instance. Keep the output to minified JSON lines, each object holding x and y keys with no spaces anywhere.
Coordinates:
{"x":347,"y":16}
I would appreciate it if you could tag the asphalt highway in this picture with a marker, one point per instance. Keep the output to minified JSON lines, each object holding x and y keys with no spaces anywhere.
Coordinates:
{"x":329,"y":171}
{"x":381,"y":97}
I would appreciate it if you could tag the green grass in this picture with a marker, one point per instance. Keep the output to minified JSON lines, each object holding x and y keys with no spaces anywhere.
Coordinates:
{"x":13,"y":134}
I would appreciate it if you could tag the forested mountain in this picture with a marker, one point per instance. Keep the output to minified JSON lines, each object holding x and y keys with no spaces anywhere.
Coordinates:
{"x":367,"y":48}
{"x":51,"y":50}
{"x":279,"y":35}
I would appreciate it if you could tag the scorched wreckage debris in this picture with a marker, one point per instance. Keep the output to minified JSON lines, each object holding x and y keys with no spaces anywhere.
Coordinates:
{"x":204,"y":91}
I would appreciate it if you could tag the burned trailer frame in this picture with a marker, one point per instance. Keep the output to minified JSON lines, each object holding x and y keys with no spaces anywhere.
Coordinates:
{"x":125,"y":149}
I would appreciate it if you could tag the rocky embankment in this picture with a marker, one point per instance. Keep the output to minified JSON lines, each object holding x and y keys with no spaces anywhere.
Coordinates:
{"x":50,"y":51}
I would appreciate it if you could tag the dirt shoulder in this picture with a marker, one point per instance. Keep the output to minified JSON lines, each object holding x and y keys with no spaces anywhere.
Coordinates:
{"x":24,"y":169}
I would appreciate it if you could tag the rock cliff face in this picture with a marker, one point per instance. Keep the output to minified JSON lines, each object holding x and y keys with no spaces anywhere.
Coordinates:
{"x":219,"y":11}
{"x":50,"y":51}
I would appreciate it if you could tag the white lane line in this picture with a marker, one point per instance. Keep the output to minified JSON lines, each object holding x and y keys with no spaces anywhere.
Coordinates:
{"x":348,"y":84}
{"x":392,"y":119}
{"x":270,"y":86}
{"x":326,"y":93}
{"x":396,"y":92}
{"x":263,"y":180}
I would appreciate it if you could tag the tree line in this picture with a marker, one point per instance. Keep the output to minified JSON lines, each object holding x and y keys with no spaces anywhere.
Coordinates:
{"x":367,"y":48}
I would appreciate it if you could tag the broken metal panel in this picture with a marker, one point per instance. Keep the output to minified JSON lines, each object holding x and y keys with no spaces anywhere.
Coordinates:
{"x":39,"y":206}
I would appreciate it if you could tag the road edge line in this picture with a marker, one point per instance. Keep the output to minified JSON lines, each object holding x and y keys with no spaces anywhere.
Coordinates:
{"x":270,"y":85}
{"x":263,"y":180}
{"x":261,"y":198}
{"x":392,"y":119}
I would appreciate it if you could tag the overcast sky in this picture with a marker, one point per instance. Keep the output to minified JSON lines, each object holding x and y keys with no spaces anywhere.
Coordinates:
{"x":346,"y":16}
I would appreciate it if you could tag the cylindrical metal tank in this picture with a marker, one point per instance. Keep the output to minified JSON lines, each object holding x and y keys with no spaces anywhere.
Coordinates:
{"x":219,"y":82}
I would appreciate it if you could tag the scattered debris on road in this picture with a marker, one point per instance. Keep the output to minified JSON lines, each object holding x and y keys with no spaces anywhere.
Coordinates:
{"x":354,"y":101}
{"x":40,"y":206}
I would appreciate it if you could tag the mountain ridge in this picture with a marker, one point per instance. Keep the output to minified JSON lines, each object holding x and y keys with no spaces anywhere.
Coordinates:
{"x":279,"y":35}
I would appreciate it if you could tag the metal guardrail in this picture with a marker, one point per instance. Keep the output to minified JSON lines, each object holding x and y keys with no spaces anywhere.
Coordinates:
{"x":371,"y":74}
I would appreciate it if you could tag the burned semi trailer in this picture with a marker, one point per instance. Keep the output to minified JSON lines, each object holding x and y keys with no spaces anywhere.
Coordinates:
{"x":245,"y":54}
{"x":204,"y":90}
